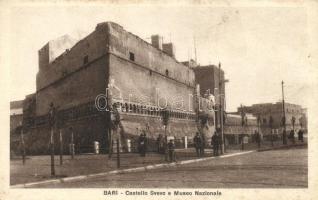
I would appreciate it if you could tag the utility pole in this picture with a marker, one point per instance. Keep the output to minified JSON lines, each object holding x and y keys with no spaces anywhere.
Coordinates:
{"x":271,"y":127}
{"x":118,"y":154}
{"x":61,"y":148}
{"x":258,"y":132}
{"x":23,"y":147}
{"x":195,"y":50}
{"x":109,"y":121}
{"x":52,"y":121}
{"x":52,"y":152}
{"x":284,"y":116}
{"x":243,"y":122}
{"x":72,"y":148}
{"x":221,"y":111}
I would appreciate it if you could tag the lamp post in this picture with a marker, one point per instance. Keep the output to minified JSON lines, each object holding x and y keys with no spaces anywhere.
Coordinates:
{"x":221,"y":108}
{"x":243,"y":123}
{"x":52,"y":115}
{"x":165,"y":122}
{"x":271,"y":121}
{"x":258,"y":131}
{"x":72,"y":146}
{"x":284,"y":116}
{"x":22,"y":146}
{"x":61,"y":148}
{"x":115,"y":119}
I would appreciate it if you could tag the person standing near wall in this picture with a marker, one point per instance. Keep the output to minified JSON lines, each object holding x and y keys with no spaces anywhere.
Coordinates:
{"x":171,"y":151}
{"x":160,"y":143}
{"x":202,"y":144}
{"x":292,"y":136}
{"x":301,"y":135}
{"x":142,"y":144}
{"x":215,"y":144}
{"x":197,"y":144}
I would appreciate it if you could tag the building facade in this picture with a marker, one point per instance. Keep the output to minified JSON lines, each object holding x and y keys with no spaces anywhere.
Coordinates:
{"x":112,"y":71}
{"x":270,"y":116}
{"x":209,"y":77}
{"x":16,"y":120}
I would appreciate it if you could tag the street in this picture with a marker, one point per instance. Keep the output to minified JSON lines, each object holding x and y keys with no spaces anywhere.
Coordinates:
{"x":268,"y":169}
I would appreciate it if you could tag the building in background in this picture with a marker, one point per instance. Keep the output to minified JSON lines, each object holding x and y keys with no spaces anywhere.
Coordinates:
{"x":270,"y":116}
{"x":16,"y":121}
{"x":16,"y":115}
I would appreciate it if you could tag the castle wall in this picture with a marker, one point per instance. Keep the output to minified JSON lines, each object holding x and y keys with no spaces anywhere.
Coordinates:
{"x":93,"y":46}
{"x":151,"y":74}
{"x":85,"y":132}
{"x":112,"y":55}
{"x":78,"y":88}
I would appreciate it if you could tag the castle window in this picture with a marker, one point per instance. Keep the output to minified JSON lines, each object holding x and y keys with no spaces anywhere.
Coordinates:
{"x":150,"y":72}
{"x":167,"y":72}
{"x":85,"y":59}
{"x":131,"y":56}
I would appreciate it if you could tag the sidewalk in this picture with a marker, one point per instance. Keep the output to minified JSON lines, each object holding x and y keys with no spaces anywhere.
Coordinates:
{"x":37,"y":168}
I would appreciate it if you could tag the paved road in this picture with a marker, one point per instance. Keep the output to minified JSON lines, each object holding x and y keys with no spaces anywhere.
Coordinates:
{"x":268,"y":169}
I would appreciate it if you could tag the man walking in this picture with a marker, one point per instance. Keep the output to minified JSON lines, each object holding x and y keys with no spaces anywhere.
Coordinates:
{"x":197,"y":144}
{"x":171,"y":151}
{"x":142,"y":143}
{"x":258,"y":138}
{"x":292,"y":136}
{"x":301,"y":135}
{"x":160,"y":143}
{"x":215,"y":144}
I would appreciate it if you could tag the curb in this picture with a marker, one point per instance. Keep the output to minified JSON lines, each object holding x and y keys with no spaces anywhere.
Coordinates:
{"x":282,"y":147}
{"x":137,"y":169}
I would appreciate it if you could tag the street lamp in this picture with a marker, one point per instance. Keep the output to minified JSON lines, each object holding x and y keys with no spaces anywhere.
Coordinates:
{"x":221,"y":120}
{"x":284,"y":116}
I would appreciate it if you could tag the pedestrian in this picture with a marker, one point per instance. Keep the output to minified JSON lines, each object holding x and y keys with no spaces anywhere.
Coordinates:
{"x":142,"y":144}
{"x":160,"y":143}
{"x":258,"y":138}
{"x":202,"y":145}
{"x":215,"y":144}
{"x":301,"y":135}
{"x":171,"y":151}
{"x":292,"y":136}
{"x":197,"y":144}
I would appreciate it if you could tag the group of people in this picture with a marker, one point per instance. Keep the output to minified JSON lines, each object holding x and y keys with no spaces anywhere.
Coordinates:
{"x":199,"y":144}
{"x":300,"y":135}
{"x":168,"y":148}
{"x":164,"y":148}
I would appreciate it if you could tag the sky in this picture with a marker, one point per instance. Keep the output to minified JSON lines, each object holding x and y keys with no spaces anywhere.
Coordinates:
{"x":258,"y":47}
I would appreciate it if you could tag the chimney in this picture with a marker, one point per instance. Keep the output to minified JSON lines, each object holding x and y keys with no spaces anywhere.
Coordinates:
{"x":169,"y":49}
{"x":156,"y":41}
